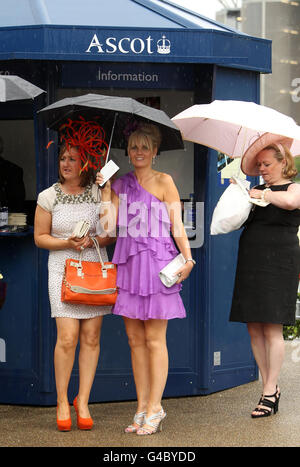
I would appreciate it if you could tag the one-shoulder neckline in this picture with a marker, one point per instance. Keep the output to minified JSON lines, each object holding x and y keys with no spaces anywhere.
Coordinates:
{"x":148,"y":192}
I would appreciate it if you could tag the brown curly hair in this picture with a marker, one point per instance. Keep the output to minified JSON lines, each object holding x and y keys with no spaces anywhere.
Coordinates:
{"x":86,"y":177}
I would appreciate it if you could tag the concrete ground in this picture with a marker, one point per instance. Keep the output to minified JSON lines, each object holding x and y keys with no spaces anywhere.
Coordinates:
{"x":217,"y":420}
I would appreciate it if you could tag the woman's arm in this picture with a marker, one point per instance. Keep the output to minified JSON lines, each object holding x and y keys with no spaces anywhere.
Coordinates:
{"x":289,"y":199}
{"x":44,"y":239}
{"x":103,"y":241}
{"x":109,"y":206}
{"x":173,"y":204}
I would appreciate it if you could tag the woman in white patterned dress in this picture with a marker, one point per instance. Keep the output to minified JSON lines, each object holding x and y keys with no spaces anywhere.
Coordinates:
{"x":58,"y":210}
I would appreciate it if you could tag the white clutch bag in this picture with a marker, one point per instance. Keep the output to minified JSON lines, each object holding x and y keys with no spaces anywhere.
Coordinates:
{"x":166,"y":275}
{"x":81,"y":229}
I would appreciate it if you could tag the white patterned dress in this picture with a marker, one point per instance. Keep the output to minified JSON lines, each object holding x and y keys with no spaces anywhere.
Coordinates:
{"x":66,"y":211}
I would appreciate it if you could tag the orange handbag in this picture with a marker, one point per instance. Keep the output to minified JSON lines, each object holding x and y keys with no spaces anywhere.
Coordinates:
{"x":89,"y":282}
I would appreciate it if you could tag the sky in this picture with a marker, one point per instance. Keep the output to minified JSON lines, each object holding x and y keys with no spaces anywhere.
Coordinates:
{"x":204,"y":7}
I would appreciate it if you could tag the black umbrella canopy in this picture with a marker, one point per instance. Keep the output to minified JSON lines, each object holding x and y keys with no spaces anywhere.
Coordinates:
{"x":125,"y":112}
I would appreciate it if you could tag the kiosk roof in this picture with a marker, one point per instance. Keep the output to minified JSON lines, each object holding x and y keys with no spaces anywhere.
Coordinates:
{"x":112,"y":13}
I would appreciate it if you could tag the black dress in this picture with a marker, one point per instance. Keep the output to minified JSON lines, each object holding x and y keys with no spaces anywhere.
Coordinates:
{"x":268,"y":266}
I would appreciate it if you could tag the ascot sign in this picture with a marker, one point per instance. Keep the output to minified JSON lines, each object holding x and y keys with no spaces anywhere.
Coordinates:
{"x":125,"y":45}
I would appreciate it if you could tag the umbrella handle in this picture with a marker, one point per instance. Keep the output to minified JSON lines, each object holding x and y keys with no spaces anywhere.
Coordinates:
{"x":111,"y":136}
{"x":109,"y":146}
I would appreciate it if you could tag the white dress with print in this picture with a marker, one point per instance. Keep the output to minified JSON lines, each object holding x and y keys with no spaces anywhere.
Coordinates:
{"x":66,"y":211}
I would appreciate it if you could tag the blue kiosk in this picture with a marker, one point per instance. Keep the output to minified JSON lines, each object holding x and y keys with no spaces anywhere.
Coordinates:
{"x":167,"y":57}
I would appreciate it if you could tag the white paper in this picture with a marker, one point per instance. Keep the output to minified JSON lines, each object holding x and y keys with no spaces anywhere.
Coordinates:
{"x":245,"y":186}
{"x":108,"y":170}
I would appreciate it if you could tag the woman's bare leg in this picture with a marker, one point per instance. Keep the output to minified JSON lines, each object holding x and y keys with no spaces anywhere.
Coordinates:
{"x":89,"y":338}
{"x":275,"y":355}
{"x":135,"y":330}
{"x":149,"y":356}
{"x":268,"y":349}
{"x":64,"y":354}
{"x":258,"y":345}
{"x":156,"y":330}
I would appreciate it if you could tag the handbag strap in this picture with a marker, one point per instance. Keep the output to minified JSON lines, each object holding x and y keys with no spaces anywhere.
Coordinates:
{"x":96,"y":245}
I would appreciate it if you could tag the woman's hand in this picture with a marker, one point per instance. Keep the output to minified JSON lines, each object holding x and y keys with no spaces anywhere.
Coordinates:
{"x":106,"y":189}
{"x":184,"y":271}
{"x":80,"y":243}
{"x":254,"y":193}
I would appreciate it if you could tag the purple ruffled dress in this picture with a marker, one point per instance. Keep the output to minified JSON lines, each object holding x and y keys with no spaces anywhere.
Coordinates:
{"x":143,"y":248}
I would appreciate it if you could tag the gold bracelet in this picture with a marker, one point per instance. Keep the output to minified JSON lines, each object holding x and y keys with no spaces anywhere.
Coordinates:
{"x":190,"y":259}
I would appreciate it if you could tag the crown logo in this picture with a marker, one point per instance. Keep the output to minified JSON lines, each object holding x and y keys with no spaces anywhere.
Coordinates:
{"x":163,"y":46}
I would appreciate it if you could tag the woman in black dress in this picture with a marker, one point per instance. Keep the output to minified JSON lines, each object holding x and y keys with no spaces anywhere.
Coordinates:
{"x":268,"y":267}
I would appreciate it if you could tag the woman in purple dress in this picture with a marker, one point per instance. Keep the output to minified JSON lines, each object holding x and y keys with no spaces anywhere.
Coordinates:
{"x":146,"y":204}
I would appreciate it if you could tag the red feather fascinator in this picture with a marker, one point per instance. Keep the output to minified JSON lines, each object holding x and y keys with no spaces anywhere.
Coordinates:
{"x":89,"y":138}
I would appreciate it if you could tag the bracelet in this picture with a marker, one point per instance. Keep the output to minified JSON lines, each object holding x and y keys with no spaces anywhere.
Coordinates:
{"x":106,"y":203}
{"x":264,"y":193}
{"x":190,"y":259}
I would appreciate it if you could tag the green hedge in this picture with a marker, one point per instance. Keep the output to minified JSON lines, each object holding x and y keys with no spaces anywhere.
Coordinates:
{"x":291,"y":332}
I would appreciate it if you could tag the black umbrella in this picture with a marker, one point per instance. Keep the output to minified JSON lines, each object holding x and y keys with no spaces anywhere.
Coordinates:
{"x":14,"y":88}
{"x":117,"y":115}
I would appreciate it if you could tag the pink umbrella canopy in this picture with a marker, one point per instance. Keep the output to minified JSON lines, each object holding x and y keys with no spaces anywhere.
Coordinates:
{"x":238,"y":128}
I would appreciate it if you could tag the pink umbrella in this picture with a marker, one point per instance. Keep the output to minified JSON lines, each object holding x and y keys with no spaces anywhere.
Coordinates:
{"x":238,"y":128}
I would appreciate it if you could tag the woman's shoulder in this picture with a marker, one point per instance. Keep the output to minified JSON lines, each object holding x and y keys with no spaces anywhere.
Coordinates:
{"x":165,"y":179}
{"x":48,"y":191}
{"x":260,"y":187}
{"x":122,"y":182}
{"x":167,"y":188}
{"x":289,"y":185}
{"x":47,"y":197}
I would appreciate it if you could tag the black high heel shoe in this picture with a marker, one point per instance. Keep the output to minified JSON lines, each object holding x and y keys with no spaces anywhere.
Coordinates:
{"x":272,"y":405}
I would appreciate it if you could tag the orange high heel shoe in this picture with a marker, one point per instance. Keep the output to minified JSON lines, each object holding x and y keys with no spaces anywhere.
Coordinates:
{"x":82,"y":423}
{"x":63,"y":425}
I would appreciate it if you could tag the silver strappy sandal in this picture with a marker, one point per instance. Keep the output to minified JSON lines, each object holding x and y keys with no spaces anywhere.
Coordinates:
{"x":139,"y":419}
{"x":156,"y":425}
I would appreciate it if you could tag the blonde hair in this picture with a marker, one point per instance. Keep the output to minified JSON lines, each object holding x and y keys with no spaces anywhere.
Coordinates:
{"x":148,"y":133}
{"x":281,"y":153}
